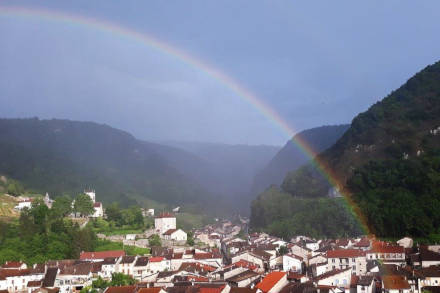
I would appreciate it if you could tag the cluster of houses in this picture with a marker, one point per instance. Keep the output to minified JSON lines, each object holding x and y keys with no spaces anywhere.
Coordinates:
{"x":259,"y":264}
{"x":98,"y":209}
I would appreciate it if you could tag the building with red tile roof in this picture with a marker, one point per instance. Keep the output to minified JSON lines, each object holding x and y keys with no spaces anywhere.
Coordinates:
{"x":101,"y":255}
{"x":273,"y":282}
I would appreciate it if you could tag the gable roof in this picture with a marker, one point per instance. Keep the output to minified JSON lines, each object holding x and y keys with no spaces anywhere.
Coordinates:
{"x":330,"y":274}
{"x":395,"y":282}
{"x":101,"y":254}
{"x":49,"y":278}
{"x":169,"y":232}
{"x":345,"y":253}
{"x":270,"y":280}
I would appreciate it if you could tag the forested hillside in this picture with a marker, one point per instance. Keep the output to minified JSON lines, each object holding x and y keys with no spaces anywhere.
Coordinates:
{"x":291,"y":157}
{"x":60,"y":156}
{"x":388,"y":161}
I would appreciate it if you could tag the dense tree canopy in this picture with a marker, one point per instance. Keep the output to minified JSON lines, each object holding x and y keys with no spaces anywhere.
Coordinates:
{"x":42,"y":234}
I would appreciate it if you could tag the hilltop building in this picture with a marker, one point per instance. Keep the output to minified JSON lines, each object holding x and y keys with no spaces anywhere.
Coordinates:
{"x":164,"y":222}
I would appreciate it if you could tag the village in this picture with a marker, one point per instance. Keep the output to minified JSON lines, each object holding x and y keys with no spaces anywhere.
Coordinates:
{"x":232,"y":261}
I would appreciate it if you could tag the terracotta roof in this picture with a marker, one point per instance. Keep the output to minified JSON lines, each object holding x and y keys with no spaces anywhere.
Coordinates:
{"x":149,"y":290}
{"x":432,"y":271}
{"x":364,"y":242}
{"x":395,"y":282}
{"x":345,"y":253}
{"x":269,"y":281}
{"x":13,"y":265}
{"x":5,"y":273}
{"x":101,"y":254}
{"x":246,"y":264}
{"x":428,"y":255}
{"x":294,"y":276}
{"x":156,"y":259}
{"x":121,"y":289}
{"x":169,"y":232}
{"x":165,"y":215}
{"x":97,"y":204}
{"x":212,"y":289}
{"x":34,"y":283}
{"x":384,"y":247}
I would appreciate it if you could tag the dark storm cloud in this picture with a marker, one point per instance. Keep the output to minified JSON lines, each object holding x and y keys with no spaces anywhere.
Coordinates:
{"x":314,"y":62}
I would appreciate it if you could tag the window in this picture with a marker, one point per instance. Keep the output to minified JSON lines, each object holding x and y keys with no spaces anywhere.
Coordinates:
{"x":353,"y":259}
{"x":333,"y":260}
{"x":337,"y":281}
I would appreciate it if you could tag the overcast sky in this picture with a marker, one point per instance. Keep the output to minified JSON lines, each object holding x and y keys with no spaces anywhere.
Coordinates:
{"x":312,"y":62}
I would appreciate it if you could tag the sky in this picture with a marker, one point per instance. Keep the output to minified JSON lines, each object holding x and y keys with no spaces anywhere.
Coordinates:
{"x":311,"y":63}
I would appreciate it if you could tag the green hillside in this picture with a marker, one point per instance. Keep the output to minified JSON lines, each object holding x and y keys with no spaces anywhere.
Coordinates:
{"x":60,"y":156}
{"x":388,"y":161}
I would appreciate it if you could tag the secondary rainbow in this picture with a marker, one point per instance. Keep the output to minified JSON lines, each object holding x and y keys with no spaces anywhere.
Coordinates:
{"x":218,"y":75}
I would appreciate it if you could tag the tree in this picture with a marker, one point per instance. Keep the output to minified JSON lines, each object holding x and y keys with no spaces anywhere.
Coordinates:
{"x":100,"y":283}
{"x":283,"y":250}
{"x":113,"y":213}
{"x":14,"y":188}
{"x":62,"y":206}
{"x":119,"y":279}
{"x":83,"y":205}
{"x":190,"y":239}
{"x":154,"y":240}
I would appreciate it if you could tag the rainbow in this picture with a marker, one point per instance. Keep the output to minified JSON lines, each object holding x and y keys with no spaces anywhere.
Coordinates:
{"x":164,"y":48}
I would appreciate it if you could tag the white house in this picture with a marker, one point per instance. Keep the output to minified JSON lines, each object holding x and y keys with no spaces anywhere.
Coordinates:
{"x":292,"y":263}
{"x":98,"y":210}
{"x":366,"y":284}
{"x":347,"y":258}
{"x":91,"y":194}
{"x":175,"y":234}
{"x":108,"y":267}
{"x":158,"y":264}
{"x":25,"y":203}
{"x":164,"y":222}
{"x":126,"y":265}
{"x":339,"y":278}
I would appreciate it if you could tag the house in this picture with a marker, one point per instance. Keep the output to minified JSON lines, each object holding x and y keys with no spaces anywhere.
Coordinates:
{"x":395,"y":284}
{"x":406,"y":242}
{"x":126,"y":265}
{"x":14,"y":265}
{"x":158,"y":264}
{"x":364,"y":284}
{"x":292,"y":263}
{"x":317,"y":259}
{"x":387,"y":253}
{"x":74,"y":277}
{"x":164,"y":222}
{"x":273,"y":282}
{"x":22,"y":204}
{"x":98,"y":210}
{"x":15,"y":280}
{"x":429,"y":276}
{"x":345,"y":258}
{"x":363,"y":244}
{"x":312,"y":244}
{"x":259,"y":258}
{"x":243,"y":279}
{"x":175,"y":234}
{"x":318,"y":269}
{"x":96,"y":256}
{"x":140,"y":268}
{"x":425,"y":258}
{"x":339,"y":278}
{"x":299,"y":250}
{"x":108,"y":267}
